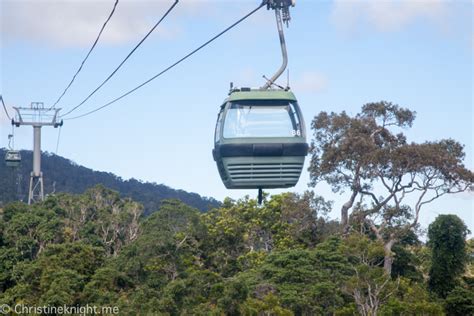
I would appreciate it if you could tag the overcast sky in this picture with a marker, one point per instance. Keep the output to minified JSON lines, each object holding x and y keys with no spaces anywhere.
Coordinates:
{"x":342,"y":54}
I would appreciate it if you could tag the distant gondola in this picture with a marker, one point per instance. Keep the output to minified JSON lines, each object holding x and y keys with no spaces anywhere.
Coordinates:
{"x":13,"y":158}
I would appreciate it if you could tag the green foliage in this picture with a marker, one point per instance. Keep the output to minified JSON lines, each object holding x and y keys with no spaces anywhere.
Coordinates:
{"x":406,"y":263}
{"x":460,"y":302}
{"x":56,"y":277}
{"x":268,"y":305}
{"x":9,"y":257}
{"x":308,"y":281}
{"x":242,"y":232}
{"x":29,"y":231}
{"x":105,"y":285}
{"x":51,"y":250}
{"x":281,"y":258}
{"x":447,"y":239}
{"x":410,"y":298}
{"x":369,"y":285}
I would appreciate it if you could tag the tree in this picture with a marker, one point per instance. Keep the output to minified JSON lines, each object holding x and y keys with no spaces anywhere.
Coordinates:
{"x":460,"y":302}
{"x":369,"y":286}
{"x":242,"y":232}
{"x":411,"y":298}
{"x":268,"y":305}
{"x":30,"y":229}
{"x":308,"y":282}
{"x":99,"y":216}
{"x":447,"y":239}
{"x":239,"y":259}
{"x":363,"y":155}
{"x":56,"y":277}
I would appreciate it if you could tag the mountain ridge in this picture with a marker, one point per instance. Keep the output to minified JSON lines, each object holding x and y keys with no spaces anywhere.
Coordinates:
{"x":64,"y":175}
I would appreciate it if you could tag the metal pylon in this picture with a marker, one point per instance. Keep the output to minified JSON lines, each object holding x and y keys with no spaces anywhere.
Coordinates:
{"x":37,"y":116}
{"x":36,"y":192}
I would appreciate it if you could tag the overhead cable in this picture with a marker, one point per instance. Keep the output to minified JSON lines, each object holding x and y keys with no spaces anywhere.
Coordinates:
{"x":124,"y":60}
{"x":5,"y":107}
{"x":87,"y":56}
{"x":169,"y":67}
{"x":59,"y":136}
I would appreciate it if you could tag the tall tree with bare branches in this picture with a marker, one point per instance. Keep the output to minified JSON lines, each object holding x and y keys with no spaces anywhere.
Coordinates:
{"x":369,"y":157}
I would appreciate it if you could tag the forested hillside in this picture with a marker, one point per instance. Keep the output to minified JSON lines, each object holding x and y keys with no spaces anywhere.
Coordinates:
{"x":284,"y":258}
{"x":63,"y":175}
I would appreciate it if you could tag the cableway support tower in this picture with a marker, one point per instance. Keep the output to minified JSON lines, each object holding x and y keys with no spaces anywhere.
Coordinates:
{"x":36,"y":116}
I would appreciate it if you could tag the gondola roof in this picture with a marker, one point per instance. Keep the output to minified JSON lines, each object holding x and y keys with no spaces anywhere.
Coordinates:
{"x":258,"y":94}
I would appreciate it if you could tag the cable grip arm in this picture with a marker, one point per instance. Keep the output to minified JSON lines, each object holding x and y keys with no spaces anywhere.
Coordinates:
{"x":284,"y":53}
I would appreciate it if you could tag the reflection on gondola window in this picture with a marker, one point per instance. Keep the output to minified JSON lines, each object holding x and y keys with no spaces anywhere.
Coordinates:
{"x":247,"y":119}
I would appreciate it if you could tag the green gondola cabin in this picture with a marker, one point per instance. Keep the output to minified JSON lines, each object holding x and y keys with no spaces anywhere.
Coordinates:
{"x":260,"y":139}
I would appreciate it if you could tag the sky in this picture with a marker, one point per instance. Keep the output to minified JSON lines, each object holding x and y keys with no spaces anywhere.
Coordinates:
{"x":342,"y":54}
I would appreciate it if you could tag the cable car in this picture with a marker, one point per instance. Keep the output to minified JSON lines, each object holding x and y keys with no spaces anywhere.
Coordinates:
{"x":260,"y":139}
{"x":12,"y":158}
{"x":260,"y":136}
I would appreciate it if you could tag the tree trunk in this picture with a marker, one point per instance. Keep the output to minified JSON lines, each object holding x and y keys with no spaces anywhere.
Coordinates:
{"x":345,"y":212}
{"x":388,"y":257}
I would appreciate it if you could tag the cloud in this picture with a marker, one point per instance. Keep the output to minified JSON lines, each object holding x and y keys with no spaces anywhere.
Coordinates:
{"x":309,"y":82}
{"x":76,"y":23}
{"x":388,"y":15}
